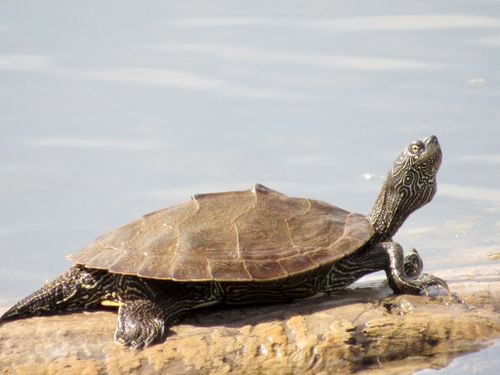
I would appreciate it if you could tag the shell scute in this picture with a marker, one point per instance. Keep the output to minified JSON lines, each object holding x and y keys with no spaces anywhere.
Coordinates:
{"x":232,"y":270}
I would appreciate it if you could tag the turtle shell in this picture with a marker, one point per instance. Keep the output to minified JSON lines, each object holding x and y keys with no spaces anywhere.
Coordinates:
{"x":252,"y":235}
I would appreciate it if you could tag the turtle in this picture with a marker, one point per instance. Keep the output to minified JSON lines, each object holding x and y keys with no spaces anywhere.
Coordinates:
{"x":243,"y":247}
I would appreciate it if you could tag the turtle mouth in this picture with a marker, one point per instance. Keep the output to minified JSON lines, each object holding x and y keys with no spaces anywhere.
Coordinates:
{"x":432,"y":151}
{"x":431,"y":143}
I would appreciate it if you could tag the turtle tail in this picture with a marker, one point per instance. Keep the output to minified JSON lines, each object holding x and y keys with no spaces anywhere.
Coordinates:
{"x":78,"y":288}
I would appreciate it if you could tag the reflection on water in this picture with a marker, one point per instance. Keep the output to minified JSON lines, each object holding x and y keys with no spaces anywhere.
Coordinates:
{"x":96,"y":143}
{"x":110,"y":114}
{"x":472,"y":193}
{"x":400,"y":22}
{"x":484,"y":362}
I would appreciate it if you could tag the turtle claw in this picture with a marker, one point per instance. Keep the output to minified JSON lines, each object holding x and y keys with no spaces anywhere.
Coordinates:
{"x":426,"y":281}
{"x":421,"y":285}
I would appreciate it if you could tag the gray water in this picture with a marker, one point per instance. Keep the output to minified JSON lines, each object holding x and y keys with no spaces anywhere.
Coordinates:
{"x":112,"y":110}
{"x":484,"y":362}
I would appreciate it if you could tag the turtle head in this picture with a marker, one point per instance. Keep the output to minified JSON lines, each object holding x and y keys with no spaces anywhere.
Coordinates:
{"x":410,"y":184}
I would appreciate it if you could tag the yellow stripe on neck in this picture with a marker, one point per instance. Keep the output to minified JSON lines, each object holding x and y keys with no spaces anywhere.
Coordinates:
{"x":110,"y":303}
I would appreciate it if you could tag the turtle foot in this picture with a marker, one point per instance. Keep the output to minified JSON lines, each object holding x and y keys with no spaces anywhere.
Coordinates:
{"x":404,"y":273}
{"x":140,"y":323}
{"x":420,"y":285}
{"x":426,"y":281}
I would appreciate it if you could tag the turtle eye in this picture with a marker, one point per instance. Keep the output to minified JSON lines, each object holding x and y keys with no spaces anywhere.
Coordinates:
{"x":416,"y":148}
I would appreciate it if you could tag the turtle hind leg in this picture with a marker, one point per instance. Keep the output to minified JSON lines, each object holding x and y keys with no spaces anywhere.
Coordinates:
{"x":148,"y":308}
{"x":397,"y":265}
{"x":76,"y":289}
{"x":142,"y":322}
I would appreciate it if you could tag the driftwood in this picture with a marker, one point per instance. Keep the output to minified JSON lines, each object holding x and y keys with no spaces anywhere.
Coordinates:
{"x":366,"y":327}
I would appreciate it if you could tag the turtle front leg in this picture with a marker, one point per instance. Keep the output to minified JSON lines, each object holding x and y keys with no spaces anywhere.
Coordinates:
{"x":404,"y":274}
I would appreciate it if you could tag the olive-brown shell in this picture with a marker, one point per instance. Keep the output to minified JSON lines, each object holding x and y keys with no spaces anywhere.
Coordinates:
{"x":256,"y":234}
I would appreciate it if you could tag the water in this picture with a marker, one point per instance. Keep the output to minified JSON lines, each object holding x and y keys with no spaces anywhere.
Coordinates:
{"x":484,"y":362}
{"x":109,"y":111}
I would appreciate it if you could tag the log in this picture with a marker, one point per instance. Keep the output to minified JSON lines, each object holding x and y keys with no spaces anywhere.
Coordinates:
{"x":365,"y":328}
